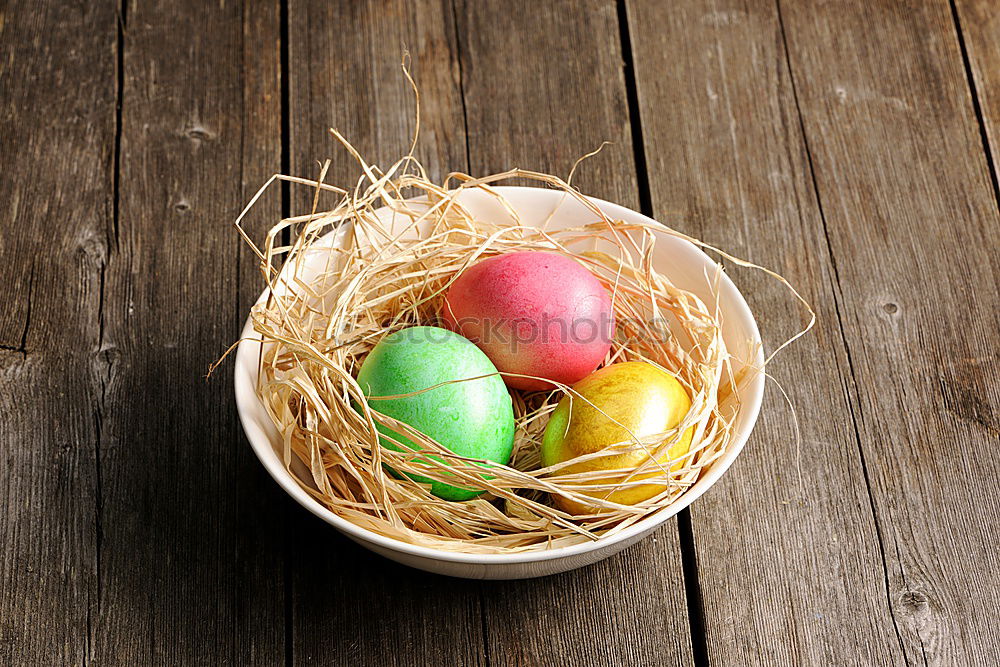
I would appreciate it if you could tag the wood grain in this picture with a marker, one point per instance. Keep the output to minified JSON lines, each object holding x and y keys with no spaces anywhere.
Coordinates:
{"x":912,"y":224}
{"x":260,"y":577}
{"x":344,"y":73}
{"x":57,"y":123}
{"x":791,"y":530}
{"x":347,"y":604}
{"x":543,"y":85}
{"x":979,"y":30}
{"x":191,"y":547}
{"x":841,"y":144}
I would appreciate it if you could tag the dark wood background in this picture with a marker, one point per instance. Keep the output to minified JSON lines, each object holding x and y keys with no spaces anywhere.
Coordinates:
{"x":847,"y":145}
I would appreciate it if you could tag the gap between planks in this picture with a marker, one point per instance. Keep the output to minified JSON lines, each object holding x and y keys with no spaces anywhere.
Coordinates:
{"x":976,"y":105}
{"x":286,"y":235}
{"x":685,"y":532}
{"x":836,"y":292}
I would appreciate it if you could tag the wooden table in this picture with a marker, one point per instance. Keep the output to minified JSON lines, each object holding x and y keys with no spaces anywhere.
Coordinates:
{"x":848,"y":146}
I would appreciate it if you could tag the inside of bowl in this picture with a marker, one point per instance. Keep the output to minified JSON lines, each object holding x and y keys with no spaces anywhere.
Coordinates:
{"x":684,"y":264}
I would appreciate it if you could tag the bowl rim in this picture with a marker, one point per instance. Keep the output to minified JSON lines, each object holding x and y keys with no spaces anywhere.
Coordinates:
{"x":247,"y":402}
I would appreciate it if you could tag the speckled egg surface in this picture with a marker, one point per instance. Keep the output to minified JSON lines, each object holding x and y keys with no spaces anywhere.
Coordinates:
{"x":473,"y":418}
{"x":534,"y":313}
{"x":618,"y":401}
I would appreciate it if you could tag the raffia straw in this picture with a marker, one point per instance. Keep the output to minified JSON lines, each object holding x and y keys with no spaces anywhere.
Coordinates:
{"x":319,"y":324}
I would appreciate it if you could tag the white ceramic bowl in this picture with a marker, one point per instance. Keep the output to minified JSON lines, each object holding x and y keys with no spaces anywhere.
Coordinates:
{"x":681,"y":261}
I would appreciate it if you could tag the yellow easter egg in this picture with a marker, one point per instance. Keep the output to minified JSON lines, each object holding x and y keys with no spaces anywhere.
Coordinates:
{"x":626,"y":397}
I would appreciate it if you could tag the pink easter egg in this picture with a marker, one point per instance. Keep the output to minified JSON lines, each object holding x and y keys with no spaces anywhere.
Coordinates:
{"x":533,"y":313}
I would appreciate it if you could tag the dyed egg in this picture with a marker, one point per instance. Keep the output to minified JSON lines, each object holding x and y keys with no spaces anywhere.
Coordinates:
{"x":642,"y":399}
{"x":474,"y":418}
{"x":533,"y":313}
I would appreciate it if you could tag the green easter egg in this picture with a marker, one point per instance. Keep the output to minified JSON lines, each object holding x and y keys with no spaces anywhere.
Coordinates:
{"x":473,"y":418}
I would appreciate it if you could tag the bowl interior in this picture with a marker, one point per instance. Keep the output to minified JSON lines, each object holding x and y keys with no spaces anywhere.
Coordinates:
{"x":684,"y":264}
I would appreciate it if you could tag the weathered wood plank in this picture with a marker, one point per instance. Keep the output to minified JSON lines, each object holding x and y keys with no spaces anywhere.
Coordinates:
{"x":348,"y":605}
{"x":912,"y":224}
{"x":57,"y":127}
{"x":260,"y":506}
{"x":182,"y":561}
{"x":344,"y":73}
{"x":979,"y":22}
{"x":792,"y":531}
{"x":543,"y":85}
{"x":192,"y":547}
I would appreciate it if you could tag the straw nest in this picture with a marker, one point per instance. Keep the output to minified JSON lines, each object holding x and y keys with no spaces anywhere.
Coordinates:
{"x":381,"y":260}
